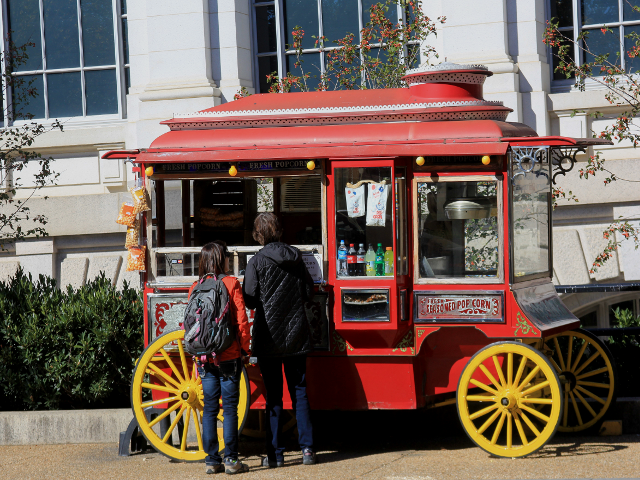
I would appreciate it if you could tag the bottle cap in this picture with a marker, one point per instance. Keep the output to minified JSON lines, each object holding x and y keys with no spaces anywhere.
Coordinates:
{"x":351,"y":244}
{"x":341,"y":241}
{"x":388,"y":248}
{"x":361,"y":244}
{"x":379,"y":244}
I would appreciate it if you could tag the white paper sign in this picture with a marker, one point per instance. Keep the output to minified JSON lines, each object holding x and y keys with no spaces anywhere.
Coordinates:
{"x":355,"y":201}
{"x":376,"y":204}
{"x":313,"y":262}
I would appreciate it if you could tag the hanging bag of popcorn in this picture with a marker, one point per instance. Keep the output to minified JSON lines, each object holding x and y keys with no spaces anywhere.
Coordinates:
{"x":140,"y":198}
{"x":376,"y":204}
{"x":136,"y":259}
{"x":127,"y":215}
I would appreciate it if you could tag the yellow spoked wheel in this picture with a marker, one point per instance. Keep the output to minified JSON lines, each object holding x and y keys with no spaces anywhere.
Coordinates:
{"x":509,"y":399}
{"x":165,"y":380}
{"x":585,"y":365}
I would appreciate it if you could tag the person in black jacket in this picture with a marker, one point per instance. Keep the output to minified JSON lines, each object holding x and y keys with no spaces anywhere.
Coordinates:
{"x":277,"y":285}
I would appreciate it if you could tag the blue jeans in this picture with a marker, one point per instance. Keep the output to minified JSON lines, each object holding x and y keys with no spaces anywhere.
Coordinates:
{"x":214,"y":385}
{"x":295,"y":369}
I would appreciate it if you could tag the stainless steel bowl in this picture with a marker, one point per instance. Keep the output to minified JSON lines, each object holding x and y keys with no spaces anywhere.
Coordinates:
{"x":470,"y":208}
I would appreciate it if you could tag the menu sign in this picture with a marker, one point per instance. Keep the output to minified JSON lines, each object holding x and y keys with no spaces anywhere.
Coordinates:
{"x":456,"y":308}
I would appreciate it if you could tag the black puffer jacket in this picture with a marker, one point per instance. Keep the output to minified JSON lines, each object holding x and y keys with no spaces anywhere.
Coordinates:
{"x":277,"y":284}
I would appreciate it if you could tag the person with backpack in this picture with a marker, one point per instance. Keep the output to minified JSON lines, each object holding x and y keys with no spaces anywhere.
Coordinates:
{"x":277,"y":285}
{"x":216,"y":322}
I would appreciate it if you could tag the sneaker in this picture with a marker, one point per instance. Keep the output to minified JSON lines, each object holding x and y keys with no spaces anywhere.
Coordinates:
{"x":308,"y":457}
{"x":234,"y":466}
{"x":214,"y":468}
{"x":272,"y":464}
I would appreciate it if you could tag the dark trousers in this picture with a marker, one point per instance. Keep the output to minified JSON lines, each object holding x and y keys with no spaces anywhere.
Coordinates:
{"x":295,"y":370}
{"x":220,"y":382}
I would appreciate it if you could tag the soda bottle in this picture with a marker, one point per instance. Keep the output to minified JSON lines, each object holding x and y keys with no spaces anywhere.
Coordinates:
{"x":379,"y":261}
{"x":370,"y":260}
{"x":388,"y":261}
{"x":352,"y":266}
{"x":342,"y":259}
{"x":360,"y":260}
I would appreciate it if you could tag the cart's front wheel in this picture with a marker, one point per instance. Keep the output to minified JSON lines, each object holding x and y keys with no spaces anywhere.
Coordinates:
{"x":509,"y":399}
{"x":165,"y":378}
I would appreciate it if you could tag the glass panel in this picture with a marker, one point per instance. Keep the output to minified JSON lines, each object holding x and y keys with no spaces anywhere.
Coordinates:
{"x":310,"y":64}
{"x":530,"y":212}
{"x":628,"y":12}
{"x":97,"y":33}
{"x":125,"y":40}
{"x":123,"y":7}
{"x":266,"y":29}
{"x":402,"y":267}
{"x":599,"y":11}
{"x":340,"y":17}
{"x":102,"y":92}
{"x":391,"y":14}
{"x":560,"y":75}
{"x":65,"y":95}
{"x":127,"y":79}
{"x":632,"y":64}
{"x":24,"y":104}
{"x":365,"y":305}
{"x":458,"y":229}
{"x":600,"y":44}
{"x":304,"y":14}
{"x":266,"y":66}
{"x":24,"y":23}
{"x":563,"y":11}
{"x":364,"y":219}
{"x":61,"y":33}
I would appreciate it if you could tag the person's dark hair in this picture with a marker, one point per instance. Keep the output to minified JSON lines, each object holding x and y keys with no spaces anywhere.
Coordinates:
{"x":212,"y":258}
{"x":266,"y":228}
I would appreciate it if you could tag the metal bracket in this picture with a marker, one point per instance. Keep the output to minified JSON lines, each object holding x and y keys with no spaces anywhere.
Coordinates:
{"x":563,"y":160}
{"x":525,"y":159}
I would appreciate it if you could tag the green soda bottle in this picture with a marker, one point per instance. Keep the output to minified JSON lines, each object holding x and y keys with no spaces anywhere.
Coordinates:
{"x":370,"y":262}
{"x":388,"y":261}
{"x":379,"y":261}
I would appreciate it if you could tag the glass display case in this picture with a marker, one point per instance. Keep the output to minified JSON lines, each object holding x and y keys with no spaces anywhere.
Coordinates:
{"x":365,"y":305}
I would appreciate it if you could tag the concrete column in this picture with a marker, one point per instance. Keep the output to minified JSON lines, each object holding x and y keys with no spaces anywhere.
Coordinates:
{"x":170,"y":61}
{"x":37,"y":256}
{"x":231,"y":44}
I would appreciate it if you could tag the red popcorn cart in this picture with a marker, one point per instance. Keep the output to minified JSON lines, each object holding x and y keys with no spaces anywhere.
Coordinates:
{"x":424,"y":218}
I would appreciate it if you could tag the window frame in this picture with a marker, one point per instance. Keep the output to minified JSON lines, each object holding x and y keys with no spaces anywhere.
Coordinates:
{"x":456,"y":177}
{"x":565,"y":84}
{"x":119,"y":66}
{"x":282,"y":52}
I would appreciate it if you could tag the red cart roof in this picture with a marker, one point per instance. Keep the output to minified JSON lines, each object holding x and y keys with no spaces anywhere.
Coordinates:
{"x":442,"y":112}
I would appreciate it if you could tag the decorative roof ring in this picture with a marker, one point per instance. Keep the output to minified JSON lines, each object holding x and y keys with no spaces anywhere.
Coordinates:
{"x":446,"y":66}
{"x":524,"y":155}
{"x":563,"y":160}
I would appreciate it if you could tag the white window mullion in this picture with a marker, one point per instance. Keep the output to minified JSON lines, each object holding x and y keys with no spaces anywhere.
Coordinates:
{"x":623,"y":60}
{"x":279,"y":10}
{"x":320,"y":33}
{"x":577,"y":29}
{"x":4,"y":44}
{"x":118,"y":40}
{"x":81,"y":46}
{"x":44,"y":62}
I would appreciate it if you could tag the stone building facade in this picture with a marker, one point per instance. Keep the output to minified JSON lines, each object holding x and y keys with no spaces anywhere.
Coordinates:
{"x":169,"y":57}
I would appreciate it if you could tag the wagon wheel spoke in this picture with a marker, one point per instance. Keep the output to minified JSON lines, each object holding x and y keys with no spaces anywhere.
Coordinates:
{"x":542,"y":401}
{"x":482,"y":398}
{"x":167,"y":435}
{"x":484,"y":411}
{"x":164,"y":376}
{"x":509,"y":369}
{"x":486,"y":371}
{"x":585,"y":403}
{"x":593,"y":384}
{"x":588,"y":393}
{"x":559,"y":353}
{"x":585,"y":344}
{"x":523,"y":437}
{"x":185,"y":430}
{"x":161,"y":401}
{"x":535,"y":388}
{"x":523,"y":364}
{"x":164,"y":414}
{"x":530,"y":377}
{"x":160,"y":388}
{"x":587,"y":363}
{"x":483,"y":386}
{"x":555,"y":365}
{"x":196,"y":422}
{"x":489,"y":421}
{"x":529,"y":423}
{"x":569,"y":351}
{"x":592,"y":373}
{"x":565,"y":413}
{"x":496,"y":364}
{"x":498,"y":429}
{"x":509,"y":430}
{"x":183,"y":359}
{"x":171,"y":365}
{"x":535,"y":413}
{"x":575,"y":408}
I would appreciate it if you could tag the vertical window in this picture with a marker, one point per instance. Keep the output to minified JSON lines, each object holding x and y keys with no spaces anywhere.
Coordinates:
{"x":275,"y":20}
{"x":77,"y":58}
{"x":590,"y":16}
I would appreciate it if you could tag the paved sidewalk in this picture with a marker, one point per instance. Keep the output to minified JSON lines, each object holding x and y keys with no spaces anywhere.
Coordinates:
{"x":352,"y":445}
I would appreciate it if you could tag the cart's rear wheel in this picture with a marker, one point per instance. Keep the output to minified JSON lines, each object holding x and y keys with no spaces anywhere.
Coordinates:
{"x":167,"y":373}
{"x":589,"y":373}
{"x":497,"y":393}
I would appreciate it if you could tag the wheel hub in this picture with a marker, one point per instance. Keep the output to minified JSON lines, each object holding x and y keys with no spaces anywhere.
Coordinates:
{"x":508,"y":400}
{"x":570,"y":378}
{"x":189,"y":395}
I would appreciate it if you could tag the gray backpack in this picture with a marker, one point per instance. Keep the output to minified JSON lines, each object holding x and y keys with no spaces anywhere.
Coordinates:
{"x":207,"y":319}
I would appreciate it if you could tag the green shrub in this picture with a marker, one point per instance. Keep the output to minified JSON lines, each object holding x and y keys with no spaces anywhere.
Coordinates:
{"x":67,"y":349}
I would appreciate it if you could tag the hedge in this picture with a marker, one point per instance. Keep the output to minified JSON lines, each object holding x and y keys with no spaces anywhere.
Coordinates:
{"x":67,"y":349}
